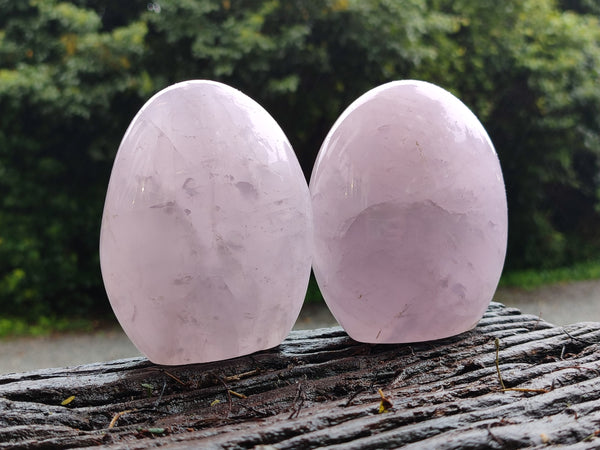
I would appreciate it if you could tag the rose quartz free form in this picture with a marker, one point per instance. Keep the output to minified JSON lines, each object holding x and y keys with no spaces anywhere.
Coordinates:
{"x":410,"y":216}
{"x":205,"y":241}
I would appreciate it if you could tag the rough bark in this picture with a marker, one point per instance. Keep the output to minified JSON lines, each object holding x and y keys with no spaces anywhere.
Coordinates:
{"x":320,"y":389}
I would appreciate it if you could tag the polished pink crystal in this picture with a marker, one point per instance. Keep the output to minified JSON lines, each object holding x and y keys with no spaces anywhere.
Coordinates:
{"x":410,"y":216}
{"x":205,"y":241}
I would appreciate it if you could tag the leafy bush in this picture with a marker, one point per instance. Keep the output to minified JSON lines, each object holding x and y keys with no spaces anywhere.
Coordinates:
{"x":67,"y":89}
{"x":74,"y":73}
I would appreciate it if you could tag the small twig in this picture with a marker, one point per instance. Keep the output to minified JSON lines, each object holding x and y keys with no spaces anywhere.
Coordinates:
{"x":229,"y":402}
{"x":117,"y":415}
{"x":299,"y":399}
{"x":174,"y":377}
{"x":236,"y":394}
{"x":571,"y":411}
{"x":493,"y":436}
{"x":595,"y":434}
{"x":162,"y":391}
{"x":504,"y":388}
{"x":228,"y":391}
{"x":353,"y":396}
{"x":579,"y":339}
{"x":238,"y":377}
{"x":159,"y":369}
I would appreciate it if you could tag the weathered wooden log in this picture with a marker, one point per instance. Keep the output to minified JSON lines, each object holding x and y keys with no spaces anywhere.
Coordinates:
{"x":322,"y":389}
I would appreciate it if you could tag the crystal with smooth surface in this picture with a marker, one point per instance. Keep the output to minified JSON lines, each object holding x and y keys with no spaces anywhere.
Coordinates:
{"x":410,"y":216}
{"x":205,"y":240}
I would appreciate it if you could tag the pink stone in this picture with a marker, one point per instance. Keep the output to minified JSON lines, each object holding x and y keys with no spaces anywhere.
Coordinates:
{"x":206,"y":232}
{"x":410,"y":216}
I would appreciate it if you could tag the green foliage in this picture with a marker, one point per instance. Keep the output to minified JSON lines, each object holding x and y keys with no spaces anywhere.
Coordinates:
{"x":66,"y":88}
{"x":530,"y":279}
{"x":304,"y":61}
{"x":313,"y":293}
{"x":530,"y":72}
{"x":42,"y":326}
{"x":74,"y":73}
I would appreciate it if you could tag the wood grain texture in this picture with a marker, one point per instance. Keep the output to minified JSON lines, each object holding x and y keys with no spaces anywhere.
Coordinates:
{"x":320,"y":389}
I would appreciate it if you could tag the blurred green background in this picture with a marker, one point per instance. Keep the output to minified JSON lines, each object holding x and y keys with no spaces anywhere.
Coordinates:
{"x":74,"y":73}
